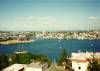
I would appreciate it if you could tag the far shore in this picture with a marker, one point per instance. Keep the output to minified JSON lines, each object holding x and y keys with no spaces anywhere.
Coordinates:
{"x":15,"y":41}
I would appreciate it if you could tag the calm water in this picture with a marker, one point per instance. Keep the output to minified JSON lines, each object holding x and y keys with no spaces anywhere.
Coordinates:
{"x":51,"y":47}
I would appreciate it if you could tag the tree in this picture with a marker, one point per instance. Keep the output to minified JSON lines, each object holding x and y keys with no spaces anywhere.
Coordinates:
{"x":41,"y":58}
{"x":24,"y":58}
{"x":63,"y":60}
{"x":63,"y":57}
{"x":94,"y":66}
{"x":12,"y":59}
{"x":3,"y":61}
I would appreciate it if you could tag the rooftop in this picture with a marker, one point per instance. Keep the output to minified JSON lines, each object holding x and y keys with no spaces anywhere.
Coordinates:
{"x":37,"y":65}
{"x":14,"y":67}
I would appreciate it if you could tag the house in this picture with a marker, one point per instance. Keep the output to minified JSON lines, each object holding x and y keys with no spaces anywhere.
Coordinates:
{"x":39,"y":66}
{"x":15,"y":67}
{"x":81,"y":60}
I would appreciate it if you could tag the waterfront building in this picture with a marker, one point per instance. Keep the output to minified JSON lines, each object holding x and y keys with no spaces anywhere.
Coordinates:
{"x":80,"y":61}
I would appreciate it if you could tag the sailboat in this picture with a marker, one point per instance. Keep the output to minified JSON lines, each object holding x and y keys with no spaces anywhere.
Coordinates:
{"x":21,"y":50}
{"x":60,"y":46}
{"x":60,"y":43}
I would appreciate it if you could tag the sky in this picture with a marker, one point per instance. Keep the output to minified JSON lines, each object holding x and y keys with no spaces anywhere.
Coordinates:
{"x":49,"y":15}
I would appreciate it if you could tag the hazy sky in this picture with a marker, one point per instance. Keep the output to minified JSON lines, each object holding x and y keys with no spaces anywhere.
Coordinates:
{"x":52,"y":15}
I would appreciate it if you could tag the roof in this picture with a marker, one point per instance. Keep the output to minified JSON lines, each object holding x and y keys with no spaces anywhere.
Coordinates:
{"x":85,"y":57}
{"x":37,"y":65}
{"x":14,"y":67}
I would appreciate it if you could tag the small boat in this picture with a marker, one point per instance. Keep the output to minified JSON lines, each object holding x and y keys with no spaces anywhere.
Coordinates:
{"x":60,"y":43}
{"x":60,"y":47}
{"x":19,"y":52}
{"x":91,"y":44}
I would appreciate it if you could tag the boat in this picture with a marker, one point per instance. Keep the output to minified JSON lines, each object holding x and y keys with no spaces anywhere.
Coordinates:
{"x":60,"y":43}
{"x":20,"y":50}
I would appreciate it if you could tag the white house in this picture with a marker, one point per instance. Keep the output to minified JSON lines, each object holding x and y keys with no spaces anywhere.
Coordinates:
{"x":81,"y":60}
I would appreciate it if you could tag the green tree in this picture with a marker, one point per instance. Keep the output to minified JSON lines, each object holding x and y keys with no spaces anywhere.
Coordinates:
{"x":24,"y":58}
{"x":94,"y":66}
{"x":41,"y":58}
{"x":12,"y":59}
{"x":3,"y":61}
{"x":63,"y":59}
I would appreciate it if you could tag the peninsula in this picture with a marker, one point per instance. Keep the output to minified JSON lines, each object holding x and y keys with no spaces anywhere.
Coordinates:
{"x":15,"y":41}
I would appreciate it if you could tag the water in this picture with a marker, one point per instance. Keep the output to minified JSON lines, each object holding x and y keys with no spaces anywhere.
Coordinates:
{"x":53,"y":47}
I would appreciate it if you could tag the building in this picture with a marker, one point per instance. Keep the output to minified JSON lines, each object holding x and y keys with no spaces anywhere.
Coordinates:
{"x":81,"y":60}
{"x":39,"y":66}
{"x":15,"y":67}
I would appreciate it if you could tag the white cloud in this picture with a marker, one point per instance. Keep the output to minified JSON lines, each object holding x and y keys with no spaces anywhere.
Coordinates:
{"x":46,"y":23}
{"x":98,"y":21}
{"x":92,"y":17}
{"x":36,"y":20}
{"x":38,"y":23}
{"x":95,"y":19}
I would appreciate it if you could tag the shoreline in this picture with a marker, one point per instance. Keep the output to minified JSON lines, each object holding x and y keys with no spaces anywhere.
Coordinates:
{"x":15,"y":41}
{"x":29,"y":41}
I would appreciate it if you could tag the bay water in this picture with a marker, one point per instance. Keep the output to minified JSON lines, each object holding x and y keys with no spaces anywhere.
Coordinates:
{"x":52,"y":47}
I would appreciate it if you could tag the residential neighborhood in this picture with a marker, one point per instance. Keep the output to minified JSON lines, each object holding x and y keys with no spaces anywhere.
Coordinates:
{"x":50,"y":35}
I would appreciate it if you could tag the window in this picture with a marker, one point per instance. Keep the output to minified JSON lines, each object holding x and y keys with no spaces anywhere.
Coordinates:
{"x":79,"y":67}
